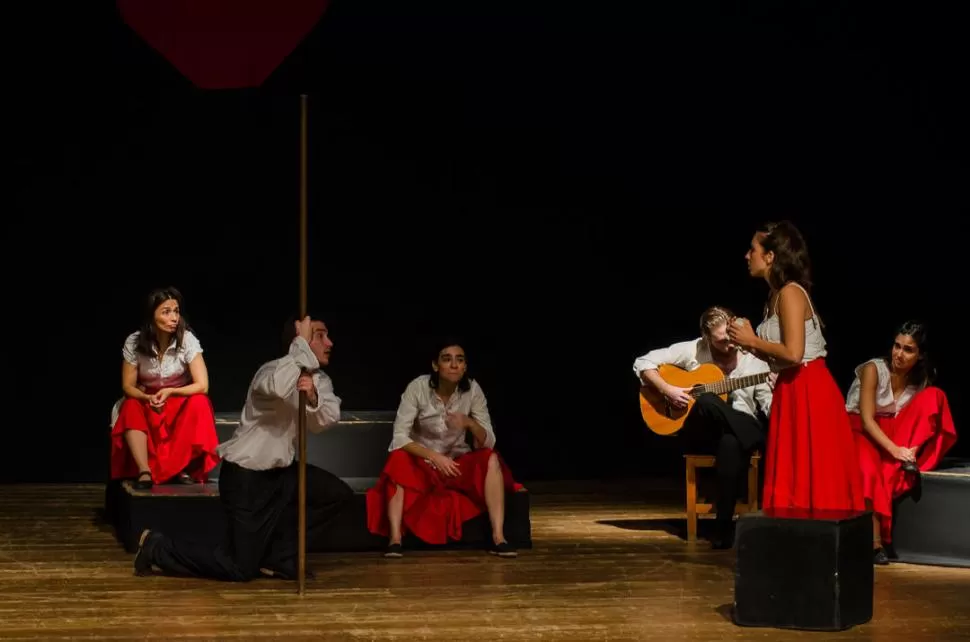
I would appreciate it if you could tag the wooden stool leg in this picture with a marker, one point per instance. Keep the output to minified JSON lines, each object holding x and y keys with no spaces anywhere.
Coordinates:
{"x":691,"y":502}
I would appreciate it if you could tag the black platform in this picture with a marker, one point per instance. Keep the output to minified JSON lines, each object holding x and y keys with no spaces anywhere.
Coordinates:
{"x":932,"y":524}
{"x":195,"y":512}
{"x":798,"y":571}
{"x":355,"y":450}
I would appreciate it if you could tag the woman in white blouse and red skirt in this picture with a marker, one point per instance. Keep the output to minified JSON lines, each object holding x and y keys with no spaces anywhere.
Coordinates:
{"x":164,"y":428}
{"x":902,"y":425}
{"x":433,"y":480}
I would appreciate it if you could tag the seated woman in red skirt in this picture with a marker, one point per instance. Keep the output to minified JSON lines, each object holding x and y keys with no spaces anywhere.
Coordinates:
{"x":164,"y":428}
{"x":433,"y":480}
{"x":811,"y":466}
{"x":902,"y":425}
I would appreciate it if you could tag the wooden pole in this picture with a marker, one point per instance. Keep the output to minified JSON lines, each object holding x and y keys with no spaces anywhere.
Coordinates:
{"x":301,"y":505}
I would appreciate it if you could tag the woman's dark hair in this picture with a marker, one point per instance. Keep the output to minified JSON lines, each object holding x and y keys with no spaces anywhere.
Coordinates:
{"x":148,"y":334}
{"x":791,"y":262}
{"x":465,"y":383}
{"x":923,"y":373}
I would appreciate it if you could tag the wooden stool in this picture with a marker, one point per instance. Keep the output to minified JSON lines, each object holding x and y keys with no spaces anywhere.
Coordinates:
{"x":694,"y":509}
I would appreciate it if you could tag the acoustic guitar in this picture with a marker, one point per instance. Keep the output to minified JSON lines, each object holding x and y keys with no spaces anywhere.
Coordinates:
{"x":663,"y":418}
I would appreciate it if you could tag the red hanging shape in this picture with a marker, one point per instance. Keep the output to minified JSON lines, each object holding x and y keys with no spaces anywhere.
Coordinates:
{"x":223,"y":44}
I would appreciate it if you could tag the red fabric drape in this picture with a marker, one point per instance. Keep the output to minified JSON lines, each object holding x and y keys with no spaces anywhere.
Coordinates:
{"x":223,"y":44}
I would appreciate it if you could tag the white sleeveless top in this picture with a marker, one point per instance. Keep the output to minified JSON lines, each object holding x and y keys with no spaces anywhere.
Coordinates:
{"x":770,"y":330}
{"x":886,"y":403}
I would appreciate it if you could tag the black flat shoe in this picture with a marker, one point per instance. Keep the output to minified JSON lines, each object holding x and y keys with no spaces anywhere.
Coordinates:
{"x":143,"y":557}
{"x":288,"y":574}
{"x":879,"y":556}
{"x":394,"y":551}
{"x":916,"y":492}
{"x":723,"y":538}
{"x":503,"y":550}
{"x":722,"y":542}
{"x":184,"y":479}
{"x":141,"y":483}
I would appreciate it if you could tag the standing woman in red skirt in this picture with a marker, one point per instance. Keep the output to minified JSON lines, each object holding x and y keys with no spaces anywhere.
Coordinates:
{"x":433,"y":480}
{"x":902,"y":425}
{"x":810,"y":461}
{"x":164,"y":428}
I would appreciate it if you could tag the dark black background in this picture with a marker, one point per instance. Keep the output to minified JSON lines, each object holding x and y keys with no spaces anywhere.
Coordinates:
{"x":567,"y":185}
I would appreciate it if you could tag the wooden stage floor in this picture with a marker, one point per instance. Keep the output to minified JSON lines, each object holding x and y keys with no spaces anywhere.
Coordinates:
{"x":605,"y":566}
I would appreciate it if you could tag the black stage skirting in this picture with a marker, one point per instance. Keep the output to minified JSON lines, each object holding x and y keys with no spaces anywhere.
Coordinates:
{"x":196,"y":512}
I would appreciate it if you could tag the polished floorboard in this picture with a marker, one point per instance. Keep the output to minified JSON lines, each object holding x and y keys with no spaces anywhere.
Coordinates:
{"x":608,"y":564}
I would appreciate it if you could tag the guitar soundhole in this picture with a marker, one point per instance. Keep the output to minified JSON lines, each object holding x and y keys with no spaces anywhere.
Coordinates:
{"x":670,"y":412}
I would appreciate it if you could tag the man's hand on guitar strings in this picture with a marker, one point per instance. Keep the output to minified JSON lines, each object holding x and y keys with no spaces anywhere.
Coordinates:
{"x":678,"y":397}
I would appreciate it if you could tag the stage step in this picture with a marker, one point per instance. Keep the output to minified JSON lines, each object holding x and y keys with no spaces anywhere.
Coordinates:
{"x":932,"y":525}
{"x":195,"y":511}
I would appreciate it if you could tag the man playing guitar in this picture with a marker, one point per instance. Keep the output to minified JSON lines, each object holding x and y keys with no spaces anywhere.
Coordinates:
{"x":729,"y":431}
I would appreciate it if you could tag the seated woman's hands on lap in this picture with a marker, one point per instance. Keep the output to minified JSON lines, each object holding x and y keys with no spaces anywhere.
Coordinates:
{"x":158,"y":399}
{"x":444,"y":465}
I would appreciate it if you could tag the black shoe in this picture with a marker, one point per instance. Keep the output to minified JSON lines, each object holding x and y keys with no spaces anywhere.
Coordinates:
{"x":503,"y":549}
{"x":722,"y":542}
{"x":182,"y":478}
{"x":916,"y":492}
{"x":146,"y":547}
{"x":394,"y":551}
{"x":285,"y":574}
{"x":723,"y":538}
{"x":143,"y":481}
{"x":879,"y":556}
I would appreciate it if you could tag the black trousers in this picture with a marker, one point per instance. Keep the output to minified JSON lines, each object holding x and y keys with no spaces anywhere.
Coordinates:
{"x":261,"y":508}
{"x":715,"y":428}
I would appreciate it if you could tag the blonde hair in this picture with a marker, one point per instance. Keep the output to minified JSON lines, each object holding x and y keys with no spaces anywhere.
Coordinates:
{"x":713,"y":317}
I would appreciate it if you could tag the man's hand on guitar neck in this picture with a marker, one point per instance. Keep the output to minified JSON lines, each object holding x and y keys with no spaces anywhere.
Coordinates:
{"x":772,"y":379}
{"x":678,"y":397}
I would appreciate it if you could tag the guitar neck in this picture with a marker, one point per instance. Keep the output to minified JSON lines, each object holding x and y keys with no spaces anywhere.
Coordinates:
{"x":727,"y":385}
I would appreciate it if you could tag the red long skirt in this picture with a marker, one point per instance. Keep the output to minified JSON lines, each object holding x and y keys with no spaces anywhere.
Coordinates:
{"x":925,"y":423}
{"x":183,"y":431}
{"x":811,"y":465}
{"x":435,"y":506}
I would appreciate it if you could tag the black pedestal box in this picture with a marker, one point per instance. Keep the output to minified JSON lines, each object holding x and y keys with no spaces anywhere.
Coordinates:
{"x":804,"y":571}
